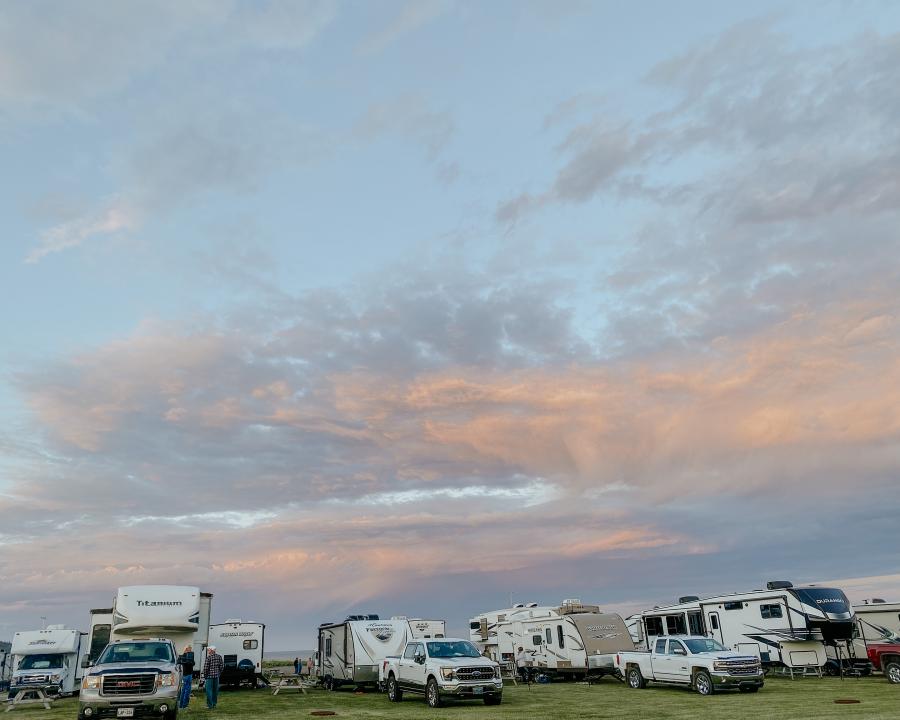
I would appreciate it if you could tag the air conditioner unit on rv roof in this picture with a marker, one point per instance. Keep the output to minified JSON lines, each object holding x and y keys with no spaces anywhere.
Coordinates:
{"x":779,"y":585}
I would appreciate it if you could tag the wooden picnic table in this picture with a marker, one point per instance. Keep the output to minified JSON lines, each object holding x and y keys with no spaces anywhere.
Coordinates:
{"x":22,"y":697}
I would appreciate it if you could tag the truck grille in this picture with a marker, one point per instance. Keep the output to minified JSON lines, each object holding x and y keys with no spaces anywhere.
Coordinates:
{"x":33,"y":679}
{"x":740,"y":667}
{"x":130,"y":684}
{"x":475,"y":673}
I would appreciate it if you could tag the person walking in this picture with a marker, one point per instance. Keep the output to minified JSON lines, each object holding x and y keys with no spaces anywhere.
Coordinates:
{"x":212,"y":670}
{"x":521,"y":665}
{"x":296,"y":666}
{"x":309,"y":666}
{"x":187,"y":676}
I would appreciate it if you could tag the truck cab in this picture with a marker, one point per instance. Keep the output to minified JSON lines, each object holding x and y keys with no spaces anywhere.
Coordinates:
{"x":132,"y":679}
{"x":698,"y":662}
{"x":440,"y":669}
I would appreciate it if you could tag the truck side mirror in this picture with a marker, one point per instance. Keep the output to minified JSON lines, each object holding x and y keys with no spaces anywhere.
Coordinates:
{"x":419,"y":658}
{"x":85,"y":662}
{"x":680,"y":651}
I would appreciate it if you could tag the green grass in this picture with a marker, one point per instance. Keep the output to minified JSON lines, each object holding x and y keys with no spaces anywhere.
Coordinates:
{"x":779,"y":699}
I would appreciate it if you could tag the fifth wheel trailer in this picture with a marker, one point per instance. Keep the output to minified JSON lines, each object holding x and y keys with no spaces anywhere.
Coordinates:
{"x":174,"y":612}
{"x":782,"y":625}
{"x":241,"y":646}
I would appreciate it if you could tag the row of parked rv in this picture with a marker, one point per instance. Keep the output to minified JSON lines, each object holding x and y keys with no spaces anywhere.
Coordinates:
{"x":54,"y":659}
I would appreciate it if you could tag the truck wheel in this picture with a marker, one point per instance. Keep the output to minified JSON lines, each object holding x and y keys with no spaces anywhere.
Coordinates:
{"x":433,"y":693}
{"x":493,"y":699}
{"x":395,"y":694}
{"x":703,"y":683}
{"x":892,"y":672}
{"x":635,"y":679}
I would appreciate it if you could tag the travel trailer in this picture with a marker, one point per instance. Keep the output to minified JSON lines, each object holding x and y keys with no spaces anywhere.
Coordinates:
{"x":878,"y":620}
{"x":782,"y":625}
{"x":241,"y":646}
{"x":48,"y":659}
{"x":351,"y":652}
{"x":560,"y":639}
{"x":174,"y":612}
{"x":422,"y":629}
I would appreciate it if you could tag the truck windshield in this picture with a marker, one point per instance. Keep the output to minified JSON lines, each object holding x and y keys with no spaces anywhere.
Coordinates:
{"x":41,"y":662}
{"x":701,"y":645}
{"x":137,"y":652}
{"x":453,"y":649}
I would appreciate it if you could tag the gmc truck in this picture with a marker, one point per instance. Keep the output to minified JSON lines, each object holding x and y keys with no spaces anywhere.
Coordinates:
{"x":439,"y":669}
{"x":694,"y":661}
{"x":132,"y":679}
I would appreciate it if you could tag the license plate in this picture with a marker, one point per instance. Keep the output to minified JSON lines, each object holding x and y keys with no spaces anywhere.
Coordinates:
{"x":125,"y":712}
{"x":478,"y":691}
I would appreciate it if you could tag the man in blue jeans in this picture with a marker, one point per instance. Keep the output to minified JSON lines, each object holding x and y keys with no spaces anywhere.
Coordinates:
{"x":187,"y":671}
{"x":212,"y":669}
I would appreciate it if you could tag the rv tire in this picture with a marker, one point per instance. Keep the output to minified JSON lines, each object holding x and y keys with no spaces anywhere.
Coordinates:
{"x":394,"y":693}
{"x":703,"y":683}
{"x":892,"y":672}
{"x":328,"y":682}
{"x":432,"y":693}
{"x":635,"y":678}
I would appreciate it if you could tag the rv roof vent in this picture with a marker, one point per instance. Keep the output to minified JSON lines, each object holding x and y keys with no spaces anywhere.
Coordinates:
{"x":518,"y":605}
{"x":572,"y":601}
{"x":779,"y":585}
{"x":688,"y":598}
{"x":233,"y":621}
{"x":532,"y":605}
{"x":399,"y":617}
{"x":876,"y":601}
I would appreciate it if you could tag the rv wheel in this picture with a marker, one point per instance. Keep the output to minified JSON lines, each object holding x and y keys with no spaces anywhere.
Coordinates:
{"x":703,"y":683}
{"x":328,"y":682}
{"x":433,"y":693}
{"x":892,"y":672}
{"x":635,"y":679}
{"x":395,"y":694}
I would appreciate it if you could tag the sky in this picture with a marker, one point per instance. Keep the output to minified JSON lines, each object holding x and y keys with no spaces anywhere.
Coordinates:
{"x":416,"y":308}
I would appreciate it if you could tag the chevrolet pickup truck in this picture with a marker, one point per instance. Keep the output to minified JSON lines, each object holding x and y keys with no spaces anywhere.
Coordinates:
{"x":439,"y":669}
{"x":132,"y":679}
{"x":696,"y":662}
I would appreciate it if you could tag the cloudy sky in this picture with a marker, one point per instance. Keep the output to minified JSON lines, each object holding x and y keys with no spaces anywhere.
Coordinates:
{"x":410,"y":307}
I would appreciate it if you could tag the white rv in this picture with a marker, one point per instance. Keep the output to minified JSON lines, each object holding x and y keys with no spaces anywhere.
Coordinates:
{"x":352,"y":651}
{"x":48,"y":659}
{"x":560,"y":639}
{"x":422,"y":628}
{"x":173,"y":612}
{"x":241,"y":646}
{"x":878,"y":621}
{"x":782,"y":625}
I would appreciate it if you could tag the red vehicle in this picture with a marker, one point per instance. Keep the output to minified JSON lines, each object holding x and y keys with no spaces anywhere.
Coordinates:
{"x":886,"y":658}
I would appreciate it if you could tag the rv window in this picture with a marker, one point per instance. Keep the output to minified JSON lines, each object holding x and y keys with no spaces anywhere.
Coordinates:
{"x":474,"y":626}
{"x":327,"y":647}
{"x":661,"y":646}
{"x":675,"y":625}
{"x":251,"y":644}
{"x":695,"y":623}
{"x":560,"y":636}
{"x":99,"y":640}
{"x":770,"y":611}
{"x":714,"y":621}
{"x":549,"y":633}
{"x":654,"y":626}
{"x":535,"y":639}
{"x":734,"y":606}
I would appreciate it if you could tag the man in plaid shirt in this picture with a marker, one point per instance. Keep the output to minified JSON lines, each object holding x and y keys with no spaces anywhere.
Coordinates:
{"x":212,"y":669}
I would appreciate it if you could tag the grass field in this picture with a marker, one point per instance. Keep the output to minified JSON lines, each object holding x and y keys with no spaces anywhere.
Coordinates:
{"x":779,"y":699}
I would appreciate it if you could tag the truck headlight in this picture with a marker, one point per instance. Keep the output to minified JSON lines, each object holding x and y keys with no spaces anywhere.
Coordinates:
{"x":720,"y":666}
{"x":165,"y":679}
{"x":448,"y":673}
{"x":91,"y":682}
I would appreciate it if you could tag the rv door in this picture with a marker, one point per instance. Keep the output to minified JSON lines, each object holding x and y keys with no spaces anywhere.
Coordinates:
{"x":715,"y":627}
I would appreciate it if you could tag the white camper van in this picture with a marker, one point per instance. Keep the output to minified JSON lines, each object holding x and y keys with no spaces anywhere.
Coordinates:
{"x":561,"y":640}
{"x":782,"y":625}
{"x":241,"y":646}
{"x":48,"y":659}
{"x":174,"y":612}
{"x":351,"y":652}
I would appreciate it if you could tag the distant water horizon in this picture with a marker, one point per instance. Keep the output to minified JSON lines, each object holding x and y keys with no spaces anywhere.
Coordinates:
{"x":287,"y":654}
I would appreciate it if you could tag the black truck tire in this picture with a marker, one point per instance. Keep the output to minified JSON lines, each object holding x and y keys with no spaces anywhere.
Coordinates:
{"x":432,"y":693}
{"x":394,"y":693}
{"x":892,"y":671}
{"x":703,"y":683}
{"x":635,"y":678}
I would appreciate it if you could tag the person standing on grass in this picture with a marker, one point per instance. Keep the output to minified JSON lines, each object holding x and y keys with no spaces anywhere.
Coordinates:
{"x":296,"y":666}
{"x":187,"y":676}
{"x":309,"y":666}
{"x":212,"y":670}
{"x":521,"y":664}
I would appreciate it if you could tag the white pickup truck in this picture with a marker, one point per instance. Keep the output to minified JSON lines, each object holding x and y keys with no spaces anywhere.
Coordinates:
{"x":697,"y":662}
{"x":442,"y":668}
